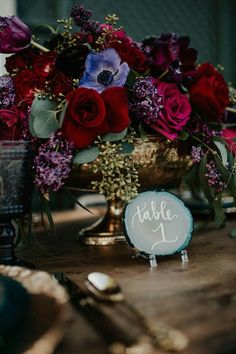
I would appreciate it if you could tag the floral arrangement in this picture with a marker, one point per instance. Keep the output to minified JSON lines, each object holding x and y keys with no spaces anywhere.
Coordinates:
{"x":90,"y":90}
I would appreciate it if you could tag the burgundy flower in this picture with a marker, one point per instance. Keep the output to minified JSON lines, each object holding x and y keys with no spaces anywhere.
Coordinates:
{"x":14,"y":35}
{"x":170,"y":52}
{"x":90,"y":114}
{"x":209,"y":94}
{"x":44,"y":63}
{"x":127,"y":49}
{"x":230,"y":137}
{"x":59,"y":84}
{"x":176,"y":111}
{"x":10,"y":124}
{"x":20,"y":60}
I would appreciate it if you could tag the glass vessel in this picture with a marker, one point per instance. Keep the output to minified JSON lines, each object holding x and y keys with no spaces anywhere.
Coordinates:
{"x":15,"y":194}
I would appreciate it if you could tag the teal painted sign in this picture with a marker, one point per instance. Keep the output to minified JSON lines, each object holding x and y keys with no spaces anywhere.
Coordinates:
{"x":157,"y":223}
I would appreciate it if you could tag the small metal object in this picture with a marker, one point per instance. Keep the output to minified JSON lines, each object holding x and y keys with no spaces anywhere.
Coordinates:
{"x":165,"y":336}
{"x":152,"y":260}
{"x":184,"y":256}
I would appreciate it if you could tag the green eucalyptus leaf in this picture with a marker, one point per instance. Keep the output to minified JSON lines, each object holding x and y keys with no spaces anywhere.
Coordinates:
{"x":43,"y":118}
{"x":223,"y":151}
{"x":127,"y":148}
{"x":86,"y":155}
{"x":233,"y":232}
{"x":115,"y":136}
{"x":62,"y":114}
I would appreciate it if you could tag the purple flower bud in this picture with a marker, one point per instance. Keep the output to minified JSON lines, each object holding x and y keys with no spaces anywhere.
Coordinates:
{"x":14,"y":35}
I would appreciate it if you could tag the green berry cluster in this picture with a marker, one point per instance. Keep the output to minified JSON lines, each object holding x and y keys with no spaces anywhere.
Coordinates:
{"x":119,"y":176}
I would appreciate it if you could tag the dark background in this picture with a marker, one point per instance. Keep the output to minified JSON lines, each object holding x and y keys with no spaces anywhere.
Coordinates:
{"x":210,"y":24}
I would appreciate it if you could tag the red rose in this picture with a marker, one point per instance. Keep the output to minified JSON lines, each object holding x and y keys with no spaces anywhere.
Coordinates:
{"x":230,"y":137}
{"x":10,"y":124}
{"x":175,"y":113}
{"x":209,"y":94}
{"x":90,"y":114}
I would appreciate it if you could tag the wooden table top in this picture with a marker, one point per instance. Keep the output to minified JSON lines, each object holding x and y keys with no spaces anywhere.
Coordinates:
{"x":199,"y":297}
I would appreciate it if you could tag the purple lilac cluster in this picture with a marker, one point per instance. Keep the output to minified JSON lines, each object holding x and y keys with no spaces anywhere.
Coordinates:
{"x":7,"y":92}
{"x":52,"y":164}
{"x":199,"y":127}
{"x":197,"y":154}
{"x":213,"y":177}
{"x":146,"y":103}
{"x":80,"y":15}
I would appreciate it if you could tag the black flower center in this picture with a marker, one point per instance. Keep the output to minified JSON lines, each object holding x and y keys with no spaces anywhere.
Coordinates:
{"x":105,"y":77}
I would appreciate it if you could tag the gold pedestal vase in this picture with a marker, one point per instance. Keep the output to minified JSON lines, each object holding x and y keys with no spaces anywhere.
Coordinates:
{"x":159,"y":162}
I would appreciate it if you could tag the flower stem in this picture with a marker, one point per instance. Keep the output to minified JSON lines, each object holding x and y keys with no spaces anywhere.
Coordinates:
{"x":204,"y":144}
{"x":163,"y":74}
{"x":39,"y":46}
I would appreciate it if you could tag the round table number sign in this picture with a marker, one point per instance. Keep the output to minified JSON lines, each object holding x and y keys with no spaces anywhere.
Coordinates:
{"x":157,"y":223}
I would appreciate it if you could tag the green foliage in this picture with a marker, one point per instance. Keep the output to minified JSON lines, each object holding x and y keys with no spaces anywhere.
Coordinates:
{"x":127,"y":148}
{"x":43,"y":117}
{"x":115,"y":136}
{"x":119,"y":176}
{"x":86,"y":156}
{"x":132,"y":76}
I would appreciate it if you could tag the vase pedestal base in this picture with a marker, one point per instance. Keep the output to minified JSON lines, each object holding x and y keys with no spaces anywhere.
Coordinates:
{"x":107,"y":231}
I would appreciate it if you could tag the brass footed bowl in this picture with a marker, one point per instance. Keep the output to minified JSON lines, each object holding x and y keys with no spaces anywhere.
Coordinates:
{"x":159,"y":162}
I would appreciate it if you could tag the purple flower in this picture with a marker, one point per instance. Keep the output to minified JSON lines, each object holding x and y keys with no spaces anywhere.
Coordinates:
{"x":80,"y":15}
{"x":52,"y":164}
{"x":104,"y":70}
{"x":214,"y":177}
{"x":170,"y":52}
{"x":146,"y":101}
{"x":14,"y":35}
{"x":7,"y":92}
{"x":197,"y":154}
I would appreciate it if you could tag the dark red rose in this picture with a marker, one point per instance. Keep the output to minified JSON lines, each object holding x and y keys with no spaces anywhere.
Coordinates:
{"x":209,"y":94}
{"x":84,"y":118}
{"x":176,"y":111}
{"x":116,"y":103}
{"x":10,"y":127}
{"x":170,"y":52}
{"x":90,"y":114}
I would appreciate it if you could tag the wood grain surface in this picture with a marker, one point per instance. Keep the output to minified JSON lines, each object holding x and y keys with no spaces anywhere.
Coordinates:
{"x":198,"y":297}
